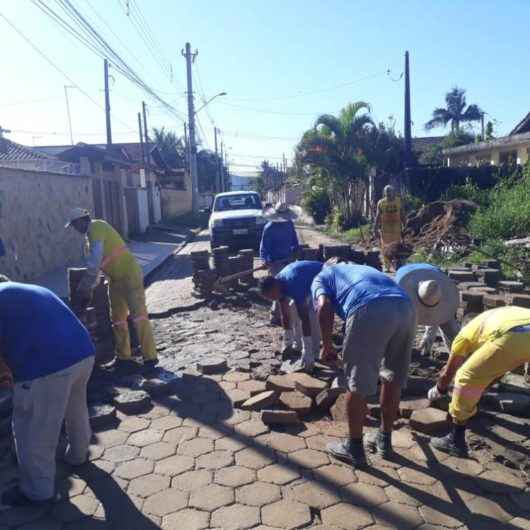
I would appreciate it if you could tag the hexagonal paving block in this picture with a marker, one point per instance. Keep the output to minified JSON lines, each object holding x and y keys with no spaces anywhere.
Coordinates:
{"x":340,"y":475}
{"x":148,"y":485}
{"x":414,"y":476}
{"x":309,"y":458}
{"x":251,"y":428}
{"x":258,"y":494}
{"x":212,"y":432}
{"x":364,"y":494}
{"x":166,"y":423}
{"x":488,"y":508}
{"x":401,"y":497}
{"x":286,"y":514}
{"x":280,"y":474}
{"x":158,"y":451}
{"x":75,"y":508}
{"x":174,"y":465}
{"x":211,"y":497}
{"x":215,"y":460}
{"x":235,"y":517}
{"x":192,"y":480}
{"x":195,"y":447}
{"x":111,"y":438}
{"x":496,"y":481}
{"x":440,"y":517}
{"x":397,"y":516}
{"x":234,"y":476}
{"x":134,"y":424}
{"x":253,"y":458}
{"x":145,"y":437}
{"x":315,"y":495}
{"x":121,"y":453}
{"x":230,"y":443}
{"x":165,"y":502}
{"x":187,"y":519}
{"x":236,"y":377}
{"x":134,"y":468}
{"x":367,"y":477}
{"x":286,"y":443}
{"x":346,"y":516}
{"x":179,"y":434}
{"x":237,"y":416}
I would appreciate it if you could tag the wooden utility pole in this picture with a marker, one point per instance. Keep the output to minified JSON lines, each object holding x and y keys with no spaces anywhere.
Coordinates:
{"x":222,"y":172}
{"x":107,"y":101}
{"x":147,"y":159}
{"x":407,"y":120}
{"x":219,"y":162}
{"x":141,"y":137}
{"x":190,"y":58}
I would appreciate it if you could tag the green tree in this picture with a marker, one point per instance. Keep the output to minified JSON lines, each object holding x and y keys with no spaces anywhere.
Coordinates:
{"x":171,"y":147}
{"x":456,"y":111}
{"x":207,"y":164}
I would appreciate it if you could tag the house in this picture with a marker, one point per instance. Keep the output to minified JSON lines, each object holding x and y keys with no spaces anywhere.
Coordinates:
{"x":424,"y":147}
{"x":511,"y":149}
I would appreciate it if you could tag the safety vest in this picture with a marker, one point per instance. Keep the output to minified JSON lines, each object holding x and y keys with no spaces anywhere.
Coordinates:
{"x":390,"y":211}
{"x":117,"y":262}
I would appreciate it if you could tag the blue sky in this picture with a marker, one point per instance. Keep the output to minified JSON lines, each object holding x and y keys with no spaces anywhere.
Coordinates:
{"x":282,"y":64}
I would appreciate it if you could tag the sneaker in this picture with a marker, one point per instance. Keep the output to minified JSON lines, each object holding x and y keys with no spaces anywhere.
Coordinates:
{"x":379,"y":444}
{"x":14,"y":497}
{"x":347,"y":452}
{"x":150,"y":363}
{"x":447,"y":444}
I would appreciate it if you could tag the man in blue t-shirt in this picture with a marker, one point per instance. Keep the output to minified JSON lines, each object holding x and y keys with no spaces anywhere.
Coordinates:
{"x":380,"y":328}
{"x":279,"y":244}
{"x":292,"y":285}
{"x":51,"y":357}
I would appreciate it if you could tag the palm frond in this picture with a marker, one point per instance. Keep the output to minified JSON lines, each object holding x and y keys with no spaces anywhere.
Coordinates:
{"x":472,"y":113}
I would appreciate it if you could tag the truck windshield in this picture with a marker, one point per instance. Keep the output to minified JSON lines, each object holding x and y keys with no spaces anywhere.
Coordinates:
{"x":237,"y":202}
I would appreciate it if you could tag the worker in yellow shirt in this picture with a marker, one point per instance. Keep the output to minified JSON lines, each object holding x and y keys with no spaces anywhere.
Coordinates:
{"x":388,"y":221}
{"x":493,"y":343}
{"x":108,"y":253}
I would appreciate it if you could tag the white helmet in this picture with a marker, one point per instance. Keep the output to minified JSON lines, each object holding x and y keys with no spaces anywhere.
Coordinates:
{"x":75,"y":214}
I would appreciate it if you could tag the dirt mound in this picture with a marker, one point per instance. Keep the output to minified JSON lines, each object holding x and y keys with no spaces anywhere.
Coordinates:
{"x":440,"y":224}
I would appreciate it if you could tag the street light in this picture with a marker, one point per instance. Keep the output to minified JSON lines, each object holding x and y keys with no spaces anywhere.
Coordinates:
{"x":209,"y":101}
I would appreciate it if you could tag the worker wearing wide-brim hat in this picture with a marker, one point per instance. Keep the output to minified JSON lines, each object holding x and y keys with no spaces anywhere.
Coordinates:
{"x":279,"y":244}
{"x":109,"y":254}
{"x":436,"y":299}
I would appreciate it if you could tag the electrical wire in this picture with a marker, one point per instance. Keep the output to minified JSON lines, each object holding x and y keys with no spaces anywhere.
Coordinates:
{"x":264,"y":111}
{"x":238,"y":134}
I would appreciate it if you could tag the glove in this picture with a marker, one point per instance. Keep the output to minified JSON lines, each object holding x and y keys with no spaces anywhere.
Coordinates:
{"x":288,"y":339}
{"x":435,"y":393}
{"x":308,"y":355}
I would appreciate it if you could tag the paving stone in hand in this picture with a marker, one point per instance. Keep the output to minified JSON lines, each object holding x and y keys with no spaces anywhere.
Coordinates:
{"x":310,"y":386}
{"x":132,"y":402}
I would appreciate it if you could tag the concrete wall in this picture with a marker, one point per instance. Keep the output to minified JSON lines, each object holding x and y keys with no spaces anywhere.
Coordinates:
{"x":175,"y":202}
{"x":33,"y":210}
{"x":490,"y":156}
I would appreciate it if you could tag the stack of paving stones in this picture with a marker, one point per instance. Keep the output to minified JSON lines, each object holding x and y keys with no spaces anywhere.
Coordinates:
{"x":308,"y":253}
{"x":247,"y":264}
{"x":221,"y":264}
{"x":96,"y":317}
{"x":336,"y":251}
{"x":373,"y":258}
{"x":203,"y":277}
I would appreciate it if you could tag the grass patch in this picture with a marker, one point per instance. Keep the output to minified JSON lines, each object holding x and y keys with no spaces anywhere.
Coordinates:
{"x":350,"y":236}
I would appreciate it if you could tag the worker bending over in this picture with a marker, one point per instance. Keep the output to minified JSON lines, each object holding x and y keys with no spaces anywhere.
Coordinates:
{"x":293,"y":285}
{"x":109,"y":254}
{"x":380,"y":328}
{"x":51,"y":357}
{"x":279,"y":245}
{"x":493,"y":343}
{"x":436,"y":299}
{"x":388,"y":221}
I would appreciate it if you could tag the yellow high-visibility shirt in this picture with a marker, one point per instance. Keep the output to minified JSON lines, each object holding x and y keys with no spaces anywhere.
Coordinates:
{"x":117,"y":262}
{"x":488,"y":326}
{"x":390,"y":215}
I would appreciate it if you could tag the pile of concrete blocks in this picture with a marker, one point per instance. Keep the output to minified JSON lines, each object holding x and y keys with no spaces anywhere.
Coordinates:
{"x":354,"y":254}
{"x":247,"y":263}
{"x":96,"y":316}
{"x":203,"y":277}
{"x":305,"y":252}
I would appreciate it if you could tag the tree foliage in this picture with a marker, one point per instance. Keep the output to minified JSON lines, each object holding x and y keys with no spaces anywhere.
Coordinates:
{"x":171,"y":147}
{"x":456,"y":112}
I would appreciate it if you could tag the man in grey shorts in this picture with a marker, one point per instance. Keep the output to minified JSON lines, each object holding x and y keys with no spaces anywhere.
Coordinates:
{"x":380,"y":328}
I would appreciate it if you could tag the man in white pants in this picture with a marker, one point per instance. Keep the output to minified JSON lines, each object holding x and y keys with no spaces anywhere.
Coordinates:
{"x":436,"y":299}
{"x":292,"y":289}
{"x":51,"y":357}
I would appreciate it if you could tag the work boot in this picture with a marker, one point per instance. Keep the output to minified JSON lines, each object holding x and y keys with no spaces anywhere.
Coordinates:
{"x":380,"y":443}
{"x":448,"y":444}
{"x":124,"y":366}
{"x":150,"y":363}
{"x":14,"y":497}
{"x":351,"y":451}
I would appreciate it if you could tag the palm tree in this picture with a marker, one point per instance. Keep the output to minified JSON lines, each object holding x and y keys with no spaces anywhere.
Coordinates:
{"x":171,"y":147}
{"x":455,"y":112}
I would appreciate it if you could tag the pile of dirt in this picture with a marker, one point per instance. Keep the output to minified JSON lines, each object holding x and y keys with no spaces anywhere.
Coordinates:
{"x":440,"y":224}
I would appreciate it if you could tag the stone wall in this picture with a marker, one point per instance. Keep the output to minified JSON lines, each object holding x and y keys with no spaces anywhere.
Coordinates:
{"x":33,"y":210}
{"x":175,"y":202}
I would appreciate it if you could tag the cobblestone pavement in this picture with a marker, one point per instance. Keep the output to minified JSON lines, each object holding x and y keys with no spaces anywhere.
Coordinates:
{"x":197,"y":461}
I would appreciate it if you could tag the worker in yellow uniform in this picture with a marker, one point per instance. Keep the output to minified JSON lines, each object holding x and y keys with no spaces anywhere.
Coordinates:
{"x":492,"y":344}
{"x":108,"y":253}
{"x":388,"y":221}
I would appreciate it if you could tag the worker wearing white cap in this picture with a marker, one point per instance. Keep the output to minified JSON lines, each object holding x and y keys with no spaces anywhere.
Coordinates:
{"x":109,"y":254}
{"x":436,"y":298}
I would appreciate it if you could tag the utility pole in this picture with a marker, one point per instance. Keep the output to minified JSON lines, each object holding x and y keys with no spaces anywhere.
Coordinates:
{"x":66,"y":87}
{"x":107,"y":102}
{"x":186,"y":147}
{"x":219,"y":162}
{"x":141,"y":137}
{"x":146,"y":140}
{"x":482,"y":127}
{"x":407,"y":132}
{"x":190,"y":58}
{"x":222,"y":172}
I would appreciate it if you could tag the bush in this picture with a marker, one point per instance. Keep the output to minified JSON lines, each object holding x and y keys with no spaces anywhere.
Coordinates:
{"x":338,"y":221}
{"x":469,"y":191}
{"x":316,"y":202}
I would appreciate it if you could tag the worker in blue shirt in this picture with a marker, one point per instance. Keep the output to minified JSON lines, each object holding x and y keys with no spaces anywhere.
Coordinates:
{"x":51,"y":357}
{"x":292,"y":287}
{"x":380,"y":327}
{"x":279,"y":244}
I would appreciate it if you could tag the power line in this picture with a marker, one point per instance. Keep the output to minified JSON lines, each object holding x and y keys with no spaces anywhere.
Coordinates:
{"x":264,"y":111}
{"x":54,"y":65}
{"x":251,"y":136}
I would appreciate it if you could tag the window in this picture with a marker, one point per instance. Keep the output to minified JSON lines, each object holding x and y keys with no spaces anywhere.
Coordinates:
{"x":508,"y":158}
{"x":248,"y":201}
